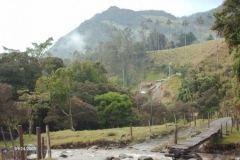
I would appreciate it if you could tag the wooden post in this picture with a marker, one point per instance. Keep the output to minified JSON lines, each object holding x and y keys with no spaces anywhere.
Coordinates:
{"x":175,"y":134}
{"x":5,"y":143}
{"x":42,"y":148}
{"x":131,"y":131}
{"x":175,"y":119}
{"x":237,"y":125}
{"x":184,"y":119}
{"x":38,"y":131}
{"x":195,"y":120}
{"x":232,"y":121}
{"x":164,"y":120}
{"x":226,"y":128}
{"x":149,"y":124}
{"x":208,"y":120}
{"x":22,"y":152}
{"x":48,"y":142}
{"x":221,"y":134}
{"x":10,"y":132}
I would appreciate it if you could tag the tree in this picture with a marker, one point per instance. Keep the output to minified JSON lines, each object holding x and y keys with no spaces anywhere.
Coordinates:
{"x":169,"y":22}
{"x":190,"y":38}
{"x":142,"y":34}
{"x":227,"y":23}
{"x":10,"y":114}
{"x":89,"y":71}
{"x":59,"y":86}
{"x":185,"y":24}
{"x":114,"y":109}
{"x":9,"y":50}
{"x":19,"y":70}
{"x":40,"y":50}
{"x":200,"y":22}
{"x":32,"y":102}
{"x":50,"y":65}
{"x":210,"y":37}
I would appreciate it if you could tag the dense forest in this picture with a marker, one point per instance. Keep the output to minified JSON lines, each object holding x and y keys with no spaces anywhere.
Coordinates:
{"x":99,"y":88}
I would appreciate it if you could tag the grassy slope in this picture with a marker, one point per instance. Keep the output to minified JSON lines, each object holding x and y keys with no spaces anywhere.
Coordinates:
{"x":206,"y":60}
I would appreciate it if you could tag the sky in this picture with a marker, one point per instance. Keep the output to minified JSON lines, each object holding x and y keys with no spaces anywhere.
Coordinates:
{"x":27,"y":21}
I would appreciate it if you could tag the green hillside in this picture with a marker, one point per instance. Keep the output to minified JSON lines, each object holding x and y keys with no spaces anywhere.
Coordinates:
{"x":205,"y":62}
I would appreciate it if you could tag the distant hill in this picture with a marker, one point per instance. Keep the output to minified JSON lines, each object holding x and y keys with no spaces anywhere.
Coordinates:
{"x":91,"y":31}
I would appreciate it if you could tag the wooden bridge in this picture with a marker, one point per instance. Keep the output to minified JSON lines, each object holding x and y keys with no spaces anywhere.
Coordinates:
{"x":180,"y":150}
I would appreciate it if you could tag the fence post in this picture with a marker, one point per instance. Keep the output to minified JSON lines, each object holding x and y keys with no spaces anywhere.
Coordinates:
{"x":237,"y":124}
{"x":175,"y":134}
{"x":226,"y":128}
{"x":164,"y":120}
{"x":208,"y":120}
{"x":221,"y":134}
{"x":4,"y":138}
{"x":184,"y":119}
{"x":10,"y":132}
{"x":42,"y":147}
{"x":48,"y":142}
{"x":131,"y":131}
{"x":195,"y":120}
{"x":38,"y":131}
{"x":22,"y":152}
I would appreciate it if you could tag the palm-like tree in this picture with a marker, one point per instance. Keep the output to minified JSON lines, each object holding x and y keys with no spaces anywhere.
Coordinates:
{"x":169,"y":22}
{"x":185,"y":24}
{"x":142,"y":33}
{"x":209,"y":16}
{"x":156,"y":37}
{"x":200,"y":21}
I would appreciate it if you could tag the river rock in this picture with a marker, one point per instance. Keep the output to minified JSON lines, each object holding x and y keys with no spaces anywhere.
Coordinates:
{"x":110,"y":158}
{"x":201,"y":148}
{"x":94,"y":147}
{"x":148,"y":139}
{"x":145,"y":158}
{"x":123,"y":156}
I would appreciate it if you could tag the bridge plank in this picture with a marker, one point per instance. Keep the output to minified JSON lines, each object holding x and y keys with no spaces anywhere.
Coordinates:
{"x":198,"y":139}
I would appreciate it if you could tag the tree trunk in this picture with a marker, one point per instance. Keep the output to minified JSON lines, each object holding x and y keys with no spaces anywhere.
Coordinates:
{"x":70,"y":114}
{"x":30,"y":128}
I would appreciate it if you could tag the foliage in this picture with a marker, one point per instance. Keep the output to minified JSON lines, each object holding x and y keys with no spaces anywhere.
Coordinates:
{"x":10,"y":114}
{"x":85,"y":116}
{"x":50,"y":65}
{"x":32,"y":102}
{"x":158,"y":112}
{"x":40,"y":50}
{"x":59,"y":86}
{"x":190,"y":38}
{"x":203,"y":89}
{"x":227,"y":23}
{"x":114,"y":109}
{"x":19,"y":70}
{"x":89,"y":71}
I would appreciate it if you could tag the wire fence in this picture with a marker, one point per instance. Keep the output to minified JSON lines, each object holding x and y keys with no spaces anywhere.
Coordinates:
{"x":14,"y":148}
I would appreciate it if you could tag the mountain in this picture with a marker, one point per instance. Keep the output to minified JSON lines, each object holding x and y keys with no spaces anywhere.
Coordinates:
{"x":96,"y":29}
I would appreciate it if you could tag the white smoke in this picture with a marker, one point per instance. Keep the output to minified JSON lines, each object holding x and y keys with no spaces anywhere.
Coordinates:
{"x":68,"y":44}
